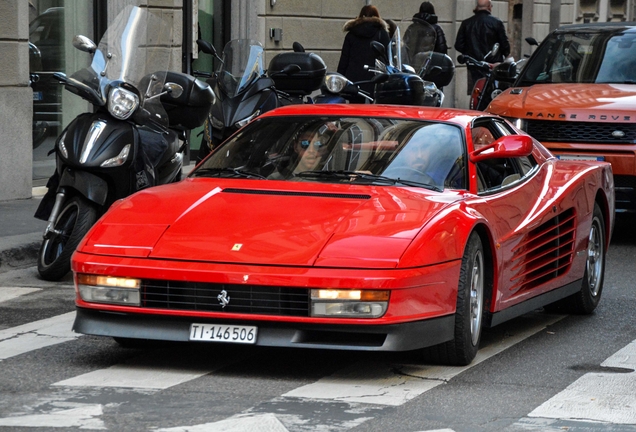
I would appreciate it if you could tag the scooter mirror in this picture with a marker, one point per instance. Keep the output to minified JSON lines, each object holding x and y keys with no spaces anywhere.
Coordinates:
{"x":174,"y":90}
{"x":83,"y":43}
{"x":380,"y":51}
{"x":532,"y":41}
{"x":495,"y":49}
{"x":206,"y":47}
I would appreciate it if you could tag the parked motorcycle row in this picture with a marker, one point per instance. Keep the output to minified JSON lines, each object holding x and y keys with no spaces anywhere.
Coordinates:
{"x":137,"y":134}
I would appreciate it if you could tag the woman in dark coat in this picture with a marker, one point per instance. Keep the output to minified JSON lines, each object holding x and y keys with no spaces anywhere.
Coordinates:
{"x":356,"y":49}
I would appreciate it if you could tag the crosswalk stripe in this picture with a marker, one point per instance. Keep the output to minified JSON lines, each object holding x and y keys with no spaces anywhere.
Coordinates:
{"x":83,"y":417}
{"x":9,"y":293}
{"x":37,"y":334}
{"x":386,"y":384}
{"x":599,"y":396}
{"x":238,"y":423}
{"x":142,"y":372}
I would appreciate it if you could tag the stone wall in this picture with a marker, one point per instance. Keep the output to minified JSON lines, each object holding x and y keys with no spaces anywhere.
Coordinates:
{"x":16,"y":102}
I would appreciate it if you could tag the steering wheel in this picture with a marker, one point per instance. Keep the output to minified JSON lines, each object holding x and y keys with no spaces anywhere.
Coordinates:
{"x":398,"y":172}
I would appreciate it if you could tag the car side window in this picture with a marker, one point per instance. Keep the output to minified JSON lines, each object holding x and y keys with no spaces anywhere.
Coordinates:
{"x":494,"y":174}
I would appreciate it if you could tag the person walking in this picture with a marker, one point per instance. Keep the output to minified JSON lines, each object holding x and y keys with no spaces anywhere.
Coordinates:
{"x":356,"y":49}
{"x":427,"y":15}
{"x":476,"y":37}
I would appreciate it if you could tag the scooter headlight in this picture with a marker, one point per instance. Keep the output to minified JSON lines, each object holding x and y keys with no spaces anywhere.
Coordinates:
{"x":117,"y":160}
{"x":335,"y":83}
{"x":216,"y":123}
{"x":246,"y":120}
{"x":62,"y":146}
{"x":122,"y":103}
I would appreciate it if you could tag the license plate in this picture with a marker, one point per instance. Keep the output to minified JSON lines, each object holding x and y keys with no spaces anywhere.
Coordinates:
{"x":223,"y":333}
{"x":581,"y":158}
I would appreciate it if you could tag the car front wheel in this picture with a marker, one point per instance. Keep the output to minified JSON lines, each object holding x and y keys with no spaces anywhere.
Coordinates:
{"x":462,"y":349}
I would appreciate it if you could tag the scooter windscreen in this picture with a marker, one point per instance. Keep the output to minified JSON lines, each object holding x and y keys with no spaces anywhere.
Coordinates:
{"x":128,"y":67}
{"x":242,"y":64}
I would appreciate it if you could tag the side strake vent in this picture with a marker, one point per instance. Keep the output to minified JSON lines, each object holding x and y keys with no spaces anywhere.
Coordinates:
{"x":294,"y":193}
{"x":545,"y":253}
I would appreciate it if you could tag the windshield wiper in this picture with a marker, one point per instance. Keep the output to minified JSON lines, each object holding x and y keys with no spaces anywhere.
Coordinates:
{"x":235,"y":172}
{"x":355,"y":175}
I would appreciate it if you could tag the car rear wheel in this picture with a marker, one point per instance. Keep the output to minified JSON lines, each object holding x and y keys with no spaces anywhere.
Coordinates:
{"x":585,"y":301}
{"x":469,"y":310}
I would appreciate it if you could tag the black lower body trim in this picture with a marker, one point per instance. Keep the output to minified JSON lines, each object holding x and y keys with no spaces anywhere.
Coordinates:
{"x":394,"y":337}
{"x":533,"y":303}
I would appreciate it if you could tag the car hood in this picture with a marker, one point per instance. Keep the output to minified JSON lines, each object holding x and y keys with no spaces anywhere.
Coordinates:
{"x":256,"y":222}
{"x":576,"y":102}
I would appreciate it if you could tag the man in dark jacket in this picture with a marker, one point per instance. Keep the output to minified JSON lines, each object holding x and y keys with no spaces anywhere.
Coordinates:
{"x":356,"y":49}
{"x":477,"y":35}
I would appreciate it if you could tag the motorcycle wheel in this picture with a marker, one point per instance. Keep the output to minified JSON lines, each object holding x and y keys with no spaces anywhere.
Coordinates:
{"x":78,"y":215}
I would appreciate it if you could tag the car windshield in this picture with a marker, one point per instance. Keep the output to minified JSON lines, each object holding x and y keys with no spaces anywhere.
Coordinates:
{"x":380,"y":151}
{"x":583,"y":57}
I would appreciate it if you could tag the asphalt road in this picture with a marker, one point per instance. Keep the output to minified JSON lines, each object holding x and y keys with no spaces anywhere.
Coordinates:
{"x":540,"y":372}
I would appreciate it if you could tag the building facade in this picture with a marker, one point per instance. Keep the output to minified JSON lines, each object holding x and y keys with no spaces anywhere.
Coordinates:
{"x":35,"y":41}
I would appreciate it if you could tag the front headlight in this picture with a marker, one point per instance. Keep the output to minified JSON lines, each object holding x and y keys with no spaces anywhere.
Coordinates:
{"x":349,"y":303}
{"x":108,"y":289}
{"x":519,"y":123}
{"x":117,"y":160}
{"x":335,"y":82}
{"x":216,"y":123}
{"x":122,"y":103}
{"x":62,"y":146}
{"x":246,"y":120}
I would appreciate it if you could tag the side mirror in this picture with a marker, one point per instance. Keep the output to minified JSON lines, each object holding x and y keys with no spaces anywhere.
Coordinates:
{"x":173,"y":89}
{"x":207,"y":48}
{"x":380,"y":51}
{"x":85,"y":44}
{"x":509,"y":146}
{"x":532,"y":41}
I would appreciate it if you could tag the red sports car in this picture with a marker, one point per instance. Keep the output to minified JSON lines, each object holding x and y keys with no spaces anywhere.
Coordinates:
{"x":352,"y":227}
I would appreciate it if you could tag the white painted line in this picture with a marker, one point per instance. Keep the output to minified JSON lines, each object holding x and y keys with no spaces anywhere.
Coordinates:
{"x":37,"y":334}
{"x":83,"y":417}
{"x":606,"y":397}
{"x":131,"y":376}
{"x":238,"y":423}
{"x":9,"y":293}
{"x":386,"y":384}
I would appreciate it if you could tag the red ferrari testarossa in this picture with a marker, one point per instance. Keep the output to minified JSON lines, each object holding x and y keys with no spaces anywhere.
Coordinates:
{"x":352,"y":227}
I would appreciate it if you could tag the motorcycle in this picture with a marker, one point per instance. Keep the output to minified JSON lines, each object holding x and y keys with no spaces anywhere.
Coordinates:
{"x":135,"y":138}
{"x":498,"y":77}
{"x":245,"y":89}
{"x":395,"y":81}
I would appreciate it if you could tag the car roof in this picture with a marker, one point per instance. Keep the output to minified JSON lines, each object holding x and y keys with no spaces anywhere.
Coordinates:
{"x":457,"y":116}
{"x":598,"y":27}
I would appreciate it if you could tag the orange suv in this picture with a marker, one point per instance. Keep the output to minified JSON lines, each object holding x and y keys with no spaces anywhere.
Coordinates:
{"x":577,"y":95}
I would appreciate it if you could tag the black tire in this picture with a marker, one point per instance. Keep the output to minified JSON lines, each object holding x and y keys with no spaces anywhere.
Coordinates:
{"x":469,"y":310}
{"x":78,"y":215}
{"x":587,"y":299}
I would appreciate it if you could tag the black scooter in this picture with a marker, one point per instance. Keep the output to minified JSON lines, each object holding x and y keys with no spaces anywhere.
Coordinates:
{"x":395,"y":82}
{"x":135,"y":138}
{"x":245,"y":89}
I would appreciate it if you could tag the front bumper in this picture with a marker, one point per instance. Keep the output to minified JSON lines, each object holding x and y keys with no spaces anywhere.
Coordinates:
{"x":391,"y":337}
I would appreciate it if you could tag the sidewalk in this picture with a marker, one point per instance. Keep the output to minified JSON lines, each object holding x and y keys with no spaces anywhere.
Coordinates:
{"x":21,"y":233}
